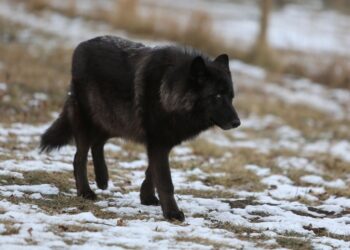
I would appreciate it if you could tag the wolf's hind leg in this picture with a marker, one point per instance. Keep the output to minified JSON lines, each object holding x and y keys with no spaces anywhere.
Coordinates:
{"x":147,"y":193}
{"x":100,"y":167}
{"x":83,"y":143}
{"x":80,"y":172}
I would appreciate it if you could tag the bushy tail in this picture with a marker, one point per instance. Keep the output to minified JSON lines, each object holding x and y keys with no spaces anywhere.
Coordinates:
{"x":58,"y":134}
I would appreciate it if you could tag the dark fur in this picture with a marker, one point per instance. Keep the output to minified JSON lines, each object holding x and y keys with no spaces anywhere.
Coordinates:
{"x":155,"y":96}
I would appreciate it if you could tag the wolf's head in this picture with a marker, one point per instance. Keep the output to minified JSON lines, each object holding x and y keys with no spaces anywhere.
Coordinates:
{"x":206,"y":89}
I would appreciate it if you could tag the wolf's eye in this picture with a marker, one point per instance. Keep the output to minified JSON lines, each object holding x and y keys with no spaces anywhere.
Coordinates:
{"x":218,"y":96}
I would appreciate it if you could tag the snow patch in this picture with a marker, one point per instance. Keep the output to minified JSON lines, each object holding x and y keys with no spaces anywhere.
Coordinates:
{"x":47,"y":189}
{"x":112,"y":147}
{"x":341,"y":150}
{"x":247,"y":69}
{"x":133,"y":164}
{"x":3,"y":86}
{"x":298,"y":163}
{"x":319,"y":181}
{"x":259,"y":171}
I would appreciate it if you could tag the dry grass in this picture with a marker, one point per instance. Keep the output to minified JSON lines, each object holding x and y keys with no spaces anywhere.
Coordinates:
{"x":246,"y":233}
{"x":199,"y":33}
{"x":72,"y":8}
{"x":132,"y":147}
{"x":235,"y":175}
{"x":313,"y":124}
{"x":62,"y":180}
{"x":244,"y":156}
{"x":290,"y":240}
{"x":294,"y":243}
{"x":333,"y":71}
{"x":206,"y":149}
{"x":336,"y":167}
{"x":37,"y":5}
{"x":205,"y":193}
{"x":59,"y":203}
{"x":10,"y":228}
{"x":241,"y":179}
{"x":240,"y":231}
{"x":203,"y":241}
{"x":73,"y":228}
{"x":126,"y":15}
{"x":338,"y":192}
{"x":296,"y":174}
{"x":28,"y":71}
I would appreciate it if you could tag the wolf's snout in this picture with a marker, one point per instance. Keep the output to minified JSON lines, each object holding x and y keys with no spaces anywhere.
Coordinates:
{"x":230,"y":125}
{"x":236,"y":123}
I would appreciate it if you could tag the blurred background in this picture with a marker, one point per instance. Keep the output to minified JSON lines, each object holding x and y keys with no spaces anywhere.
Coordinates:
{"x":305,"y":39}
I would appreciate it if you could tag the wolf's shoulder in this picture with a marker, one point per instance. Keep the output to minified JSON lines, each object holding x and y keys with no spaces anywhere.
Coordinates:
{"x":177,"y":53}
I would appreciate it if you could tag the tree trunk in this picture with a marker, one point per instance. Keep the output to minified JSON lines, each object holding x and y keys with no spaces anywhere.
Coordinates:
{"x":262,"y":53}
{"x":264,"y":22}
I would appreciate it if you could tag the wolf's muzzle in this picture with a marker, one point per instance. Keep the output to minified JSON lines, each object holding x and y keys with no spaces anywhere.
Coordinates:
{"x":236,"y":123}
{"x":230,"y":125}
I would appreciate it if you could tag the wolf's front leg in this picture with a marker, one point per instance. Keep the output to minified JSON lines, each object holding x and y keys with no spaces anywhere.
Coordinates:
{"x":159,"y":165}
{"x":147,"y":192}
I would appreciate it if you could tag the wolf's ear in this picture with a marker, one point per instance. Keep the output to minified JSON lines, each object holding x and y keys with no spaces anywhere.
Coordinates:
{"x":222,"y":60}
{"x":197,"y":67}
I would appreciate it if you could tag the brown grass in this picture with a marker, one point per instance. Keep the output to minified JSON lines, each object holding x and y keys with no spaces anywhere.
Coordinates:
{"x":294,"y":243}
{"x":205,"y":193}
{"x":26,"y":73}
{"x":202,"y":241}
{"x":206,"y":149}
{"x":336,"y":74}
{"x":336,"y":167}
{"x":235,"y":176}
{"x":72,"y":8}
{"x":313,"y":124}
{"x":10,"y":228}
{"x":290,"y":240}
{"x":338,"y":192}
{"x":333,"y":71}
{"x":126,"y":15}
{"x":59,"y":203}
{"x":199,"y":33}
{"x":73,"y":228}
{"x":62,"y":180}
{"x":37,"y":5}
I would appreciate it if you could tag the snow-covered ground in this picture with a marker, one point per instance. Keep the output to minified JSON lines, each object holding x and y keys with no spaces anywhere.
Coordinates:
{"x":290,"y":198}
{"x":271,"y":213}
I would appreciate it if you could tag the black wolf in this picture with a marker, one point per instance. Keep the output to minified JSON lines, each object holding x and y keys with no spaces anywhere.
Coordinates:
{"x":155,"y":96}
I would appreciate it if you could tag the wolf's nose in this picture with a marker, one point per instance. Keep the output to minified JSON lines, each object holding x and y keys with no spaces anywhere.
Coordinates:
{"x":236,"y":123}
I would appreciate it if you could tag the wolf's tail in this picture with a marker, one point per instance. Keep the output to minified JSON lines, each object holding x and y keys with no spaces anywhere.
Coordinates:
{"x":58,"y":134}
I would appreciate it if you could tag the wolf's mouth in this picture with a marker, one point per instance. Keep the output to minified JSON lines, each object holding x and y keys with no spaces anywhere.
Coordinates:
{"x":229,"y":125}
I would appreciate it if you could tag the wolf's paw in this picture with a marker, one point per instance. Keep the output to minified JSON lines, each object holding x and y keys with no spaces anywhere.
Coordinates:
{"x":174,"y":215}
{"x":89,"y":194}
{"x":102,"y":184}
{"x":151,"y":200}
